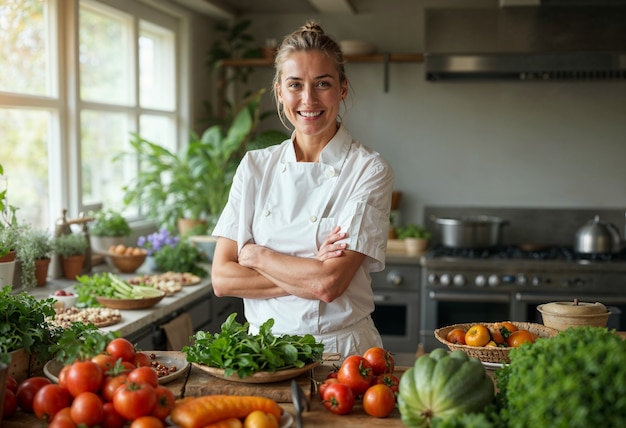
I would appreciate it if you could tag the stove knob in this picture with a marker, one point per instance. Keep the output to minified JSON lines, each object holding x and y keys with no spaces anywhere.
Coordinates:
{"x":394,"y":278}
{"x":522,"y":280}
{"x":536,"y":281}
{"x":494,"y":281}
{"x":480,"y":281}
{"x":458,"y":280}
{"x":432,"y":278}
{"x":445,"y":280}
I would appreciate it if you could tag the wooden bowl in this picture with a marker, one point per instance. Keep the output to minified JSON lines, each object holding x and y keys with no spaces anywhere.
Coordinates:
{"x":126,"y":264}
{"x":562,"y":315}
{"x":144,"y":303}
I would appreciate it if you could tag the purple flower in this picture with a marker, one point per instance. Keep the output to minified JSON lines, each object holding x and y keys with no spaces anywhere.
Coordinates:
{"x":157,"y":240}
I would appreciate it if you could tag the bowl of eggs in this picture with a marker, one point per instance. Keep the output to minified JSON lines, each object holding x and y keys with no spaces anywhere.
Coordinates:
{"x":126,"y":259}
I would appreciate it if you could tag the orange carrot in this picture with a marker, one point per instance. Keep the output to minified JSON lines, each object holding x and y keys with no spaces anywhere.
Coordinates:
{"x":205,"y":410}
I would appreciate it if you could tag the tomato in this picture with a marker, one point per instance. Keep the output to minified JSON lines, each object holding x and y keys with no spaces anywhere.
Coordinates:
{"x":338,"y":398}
{"x":509,"y":326}
{"x":322,"y":387}
{"x":496,"y":334}
{"x":134,"y":400}
{"x":379,"y":401}
{"x":63,"y":419}
{"x":12,"y":383}
{"x":357,"y":373}
{"x":147,"y":422}
{"x":49,"y":400}
{"x":392,"y":381}
{"x":165,"y":402}
{"x":141,"y":359}
{"x":105,"y":361}
{"x":380,"y":359}
{"x":128,"y":366}
{"x":110,"y":385}
{"x":26,"y":391}
{"x":477,"y":335}
{"x":62,"y":377}
{"x":519,"y":337}
{"x":121,"y":348}
{"x":10,"y":404}
{"x":456,"y":335}
{"x":84,"y":376}
{"x":260,"y":419}
{"x":110,"y":417}
{"x":87,"y":409}
{"x":144,"y":375}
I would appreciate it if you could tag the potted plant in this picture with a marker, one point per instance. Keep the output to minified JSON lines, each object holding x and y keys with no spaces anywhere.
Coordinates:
{"x":194,"y":182}
{"x":154,"y":242}
{"x":33,"y":252}
{"x":8,"y":235}
{"x":72,"y":248}
{"x":415,"y":238}
{"x":108,"y":228}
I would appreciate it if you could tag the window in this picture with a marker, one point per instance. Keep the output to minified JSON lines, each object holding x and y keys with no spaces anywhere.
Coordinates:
{"x":76,"y":79}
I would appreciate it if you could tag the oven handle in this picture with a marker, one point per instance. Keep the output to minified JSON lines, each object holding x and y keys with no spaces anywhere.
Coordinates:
{"x":540,"y":298}
{"x":444,"y":296}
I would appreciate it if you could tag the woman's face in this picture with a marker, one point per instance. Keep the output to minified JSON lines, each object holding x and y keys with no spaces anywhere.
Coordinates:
{"x":310,"y":93}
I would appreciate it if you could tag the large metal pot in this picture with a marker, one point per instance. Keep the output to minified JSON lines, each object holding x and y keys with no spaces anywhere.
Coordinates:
{"x":597,"y":237}
{"x":471,"y":231}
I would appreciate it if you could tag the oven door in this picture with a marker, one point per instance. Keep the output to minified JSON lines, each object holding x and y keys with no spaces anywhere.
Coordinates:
{"x":396,"y":318}
{"x":441,"y":308}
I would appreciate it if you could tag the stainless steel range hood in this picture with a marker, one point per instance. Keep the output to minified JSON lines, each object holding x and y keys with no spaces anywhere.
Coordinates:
{"x":529,"y":43}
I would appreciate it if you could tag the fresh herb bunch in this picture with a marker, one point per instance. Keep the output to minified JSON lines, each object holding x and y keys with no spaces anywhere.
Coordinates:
{"x":237,"y":351}
{"x":90,"y":286}
{"x":576,"y":379}
{"x":81,"y":342}
{"x":108,"y":223}
{"x":184,"y":257}
{"x":156,"y":241}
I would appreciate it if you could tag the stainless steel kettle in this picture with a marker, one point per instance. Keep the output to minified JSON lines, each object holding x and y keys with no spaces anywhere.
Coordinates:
{"x":598,"y":237}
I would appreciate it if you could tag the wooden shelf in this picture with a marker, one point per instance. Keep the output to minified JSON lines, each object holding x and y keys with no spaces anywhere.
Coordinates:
{"x":382,"y":57}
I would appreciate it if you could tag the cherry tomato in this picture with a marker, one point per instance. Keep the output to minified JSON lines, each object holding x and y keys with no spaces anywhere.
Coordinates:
{"x":165,"y":402}
{"x":83,"y":376}
{"x":379,"y":401}
{"x":134,"y":400}
{"x":147,"y":422}
{"x":392,"y":381}
{"x":12,"y":383}
{"x":380,"y":359}
{"x":10,"y":404}
{"x":110,"y":385}
{"x":356,"y":372}
{"x":110,"y":418}
{"x":338,"y":398}
{"x":87,"y":409}
{"x":49,"y":400}
{"x":105,"y":361}
{"x":324,"y":385}
{"x":121,"y":348}
{"x":144,"y":375}
{"x":26,"y":391}
{"x":141,"y":359}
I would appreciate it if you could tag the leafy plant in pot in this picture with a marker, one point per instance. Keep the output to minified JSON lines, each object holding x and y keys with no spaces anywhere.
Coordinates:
{"x":108,"y":228}
{"x":415,"y":238}
{"x":72,"y":248}
{"x":8,"y":223}
{"x":194,"y":182}
{"x":34,"y":250}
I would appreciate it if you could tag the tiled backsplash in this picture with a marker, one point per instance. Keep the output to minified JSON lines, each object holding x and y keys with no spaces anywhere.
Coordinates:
{"x":542,"y":226}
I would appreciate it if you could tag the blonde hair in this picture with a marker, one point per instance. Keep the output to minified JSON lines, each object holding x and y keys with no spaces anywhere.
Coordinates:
{"x":309,"y":37}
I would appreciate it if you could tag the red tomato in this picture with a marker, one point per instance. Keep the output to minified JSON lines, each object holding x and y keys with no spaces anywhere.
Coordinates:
{"x":392,"y":381}
{"x":338,"y":398}
{"x":147,"y":422}
{"x":49,"y":400}
{"x":121,"y":348}
{"x":62,"y":377}
{"x":141,"y":359}
{"x":12,"y":383}
{"x":65,"y":413}
{"x":356,"y":372}
{"x":379,"y":401}
{"x":322,"y":387}
{"x":380,"y":359}
{"x":134,"y":400}
{"x":83,"y":376}
{"x":110,"y":418}
{"x":144,"y":375}
{"x":26,"y":391}
{"x":105,"y":361}
{"x":10,"y":404}
{"x":111,"y":384}
{"x":87,"y":409}
{"x":128,"y":366}
{"x":165,"y":402}
{"x":63,"y":419}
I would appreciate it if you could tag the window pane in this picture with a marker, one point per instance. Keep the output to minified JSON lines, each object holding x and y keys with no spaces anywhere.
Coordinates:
{"x":158,"y":130}
{"x":156,"y":67}
{"x":103,"y":135}
{"x":24,"y":156}
{"x":105,"y":57}
{"x":24,"y":66}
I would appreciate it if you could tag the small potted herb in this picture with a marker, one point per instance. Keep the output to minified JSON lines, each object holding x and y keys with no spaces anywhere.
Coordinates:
{"x":34,"y":249}
{"x":108,"y":228}
{"x":182,"y":257}
{"x":415,"y":238}
{"x":72,"y":248}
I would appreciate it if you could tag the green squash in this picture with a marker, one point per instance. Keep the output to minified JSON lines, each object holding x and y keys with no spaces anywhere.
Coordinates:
{"x":443,"y":384}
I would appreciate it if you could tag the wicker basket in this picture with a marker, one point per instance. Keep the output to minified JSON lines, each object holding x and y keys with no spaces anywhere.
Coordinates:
{"x":490,"y":354}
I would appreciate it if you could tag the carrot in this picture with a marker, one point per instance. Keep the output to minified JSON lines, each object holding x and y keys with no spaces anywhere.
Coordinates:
{"x":226,"y":423}
{"x":205,"y":410}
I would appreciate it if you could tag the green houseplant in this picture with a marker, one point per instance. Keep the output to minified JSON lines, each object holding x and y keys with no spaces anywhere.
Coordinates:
{"x":194,"y":182}
{"x":108,"y":228}
{"x":8,"y":223}
{"x":33,"y":251}
{"x":415,"y":238}
{"x":72,"y":248}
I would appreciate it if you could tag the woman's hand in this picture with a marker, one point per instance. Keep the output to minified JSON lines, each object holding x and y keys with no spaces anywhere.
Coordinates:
{"x":329,"y":248}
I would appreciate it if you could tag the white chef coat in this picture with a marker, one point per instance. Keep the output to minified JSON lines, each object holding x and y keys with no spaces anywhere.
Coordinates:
{"x":291,"y":207}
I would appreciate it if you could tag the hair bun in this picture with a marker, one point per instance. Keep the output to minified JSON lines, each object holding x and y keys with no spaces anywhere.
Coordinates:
{"x":313,"y":27}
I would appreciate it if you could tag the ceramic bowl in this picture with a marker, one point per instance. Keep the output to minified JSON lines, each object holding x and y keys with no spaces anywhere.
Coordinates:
{"x":64,"y":301}
{"x":562,"y":315}
{"x":126,"y":264}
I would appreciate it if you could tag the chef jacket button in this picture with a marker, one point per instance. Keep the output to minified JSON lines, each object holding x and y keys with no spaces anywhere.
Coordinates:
{"x":330,"y":171}
{"x":283,"y":168}
{"x":313,"y":219}
{"x":266,"y":213}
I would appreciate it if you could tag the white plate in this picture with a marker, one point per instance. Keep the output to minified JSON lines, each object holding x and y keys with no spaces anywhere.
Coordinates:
{"x":492,"y":366}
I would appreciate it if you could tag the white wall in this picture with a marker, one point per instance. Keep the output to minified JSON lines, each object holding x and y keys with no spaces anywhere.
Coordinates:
{"x":479,"y":144}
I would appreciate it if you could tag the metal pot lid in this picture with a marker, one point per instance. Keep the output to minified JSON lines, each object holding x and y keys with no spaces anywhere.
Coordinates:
{"x":573,"y":308}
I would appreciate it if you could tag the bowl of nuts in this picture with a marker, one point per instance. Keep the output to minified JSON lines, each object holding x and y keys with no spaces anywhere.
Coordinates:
{"x":126,"y":259}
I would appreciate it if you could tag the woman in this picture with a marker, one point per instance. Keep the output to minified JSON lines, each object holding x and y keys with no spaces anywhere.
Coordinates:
{"x":307,"y":220}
